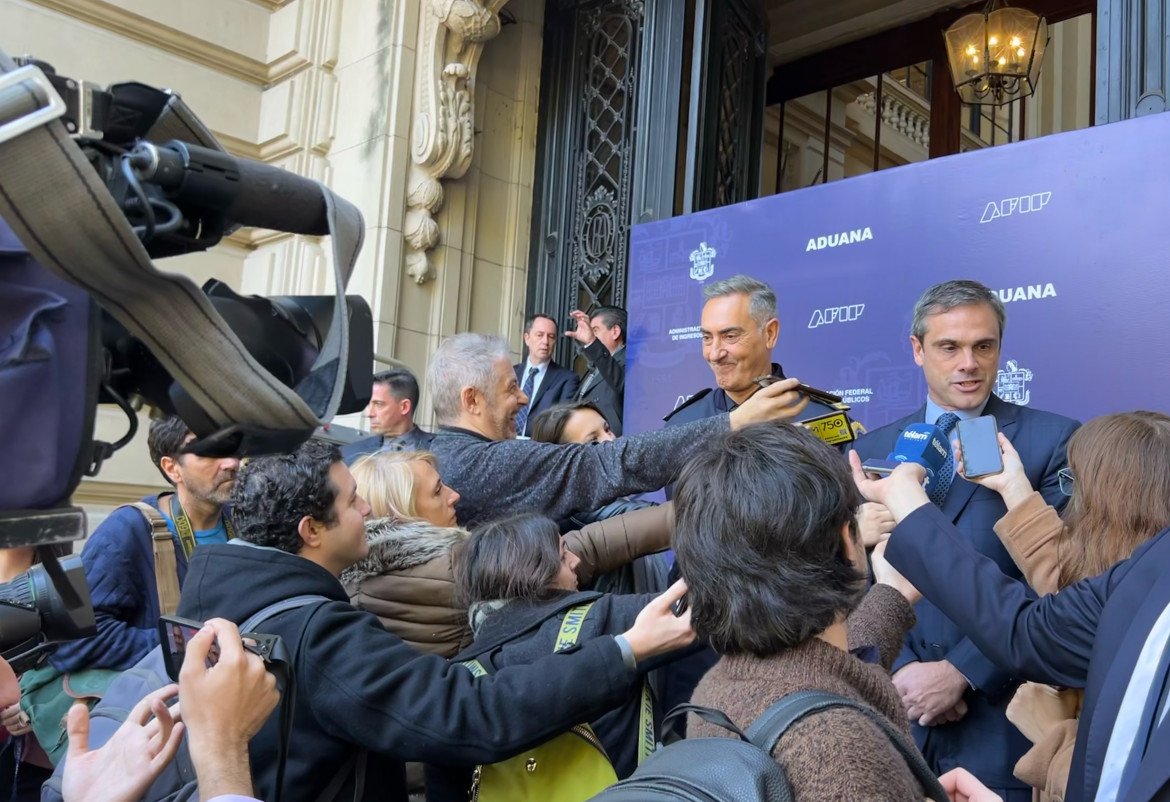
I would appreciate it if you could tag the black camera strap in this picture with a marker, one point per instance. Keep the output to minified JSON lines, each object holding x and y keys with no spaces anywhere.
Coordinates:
{"x":60,"y":209}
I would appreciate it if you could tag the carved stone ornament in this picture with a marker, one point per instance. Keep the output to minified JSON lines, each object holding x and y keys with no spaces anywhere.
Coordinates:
{"x":450,"y":42}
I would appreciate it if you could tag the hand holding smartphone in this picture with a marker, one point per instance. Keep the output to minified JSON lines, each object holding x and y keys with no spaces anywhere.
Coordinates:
{"x":177,"y":632}
{"x":979,"y":440}
{"x":812,"y":392}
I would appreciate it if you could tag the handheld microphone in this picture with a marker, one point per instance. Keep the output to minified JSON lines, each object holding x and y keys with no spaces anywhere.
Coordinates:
{"x":921,"y":443}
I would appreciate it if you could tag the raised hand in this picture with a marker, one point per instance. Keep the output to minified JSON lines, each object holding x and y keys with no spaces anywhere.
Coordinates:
{"x":125,"y":767}
{"x":583,"y":334}
{"x":874,"y":523}
{"x":657,"y":629}
{"x":886,"y":574}
{"x":1012,"y":484}
{"x":901,"y":492}
{"x":224,"y":706}
{"x":779,"y":401}
{"x":962,"y":786}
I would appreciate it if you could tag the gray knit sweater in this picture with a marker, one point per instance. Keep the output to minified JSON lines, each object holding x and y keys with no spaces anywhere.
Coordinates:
{"x":496,"y":478}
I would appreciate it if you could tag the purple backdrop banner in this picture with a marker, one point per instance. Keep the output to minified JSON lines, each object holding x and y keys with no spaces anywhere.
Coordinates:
{"x":1069,"y":229}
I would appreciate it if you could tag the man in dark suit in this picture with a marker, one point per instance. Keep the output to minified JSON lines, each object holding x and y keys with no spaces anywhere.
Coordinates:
{"x":544,"y":382}
{"x":393,"y":400}
{"x":1107,"y":634}
{"x":602,"y":339}
{"x":953,"y":693}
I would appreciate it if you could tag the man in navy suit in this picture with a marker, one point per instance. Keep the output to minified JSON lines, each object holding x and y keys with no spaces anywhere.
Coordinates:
{"x":955,"y":696}
{"x":1107,"y":634}
{"x":544,"y":382}
{"x":393,"y":400}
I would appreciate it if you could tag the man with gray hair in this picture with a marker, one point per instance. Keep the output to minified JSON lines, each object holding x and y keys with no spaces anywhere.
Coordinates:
{"x":954,"y":696}
{"x":740,"y":328}
{"x":476,"y":397}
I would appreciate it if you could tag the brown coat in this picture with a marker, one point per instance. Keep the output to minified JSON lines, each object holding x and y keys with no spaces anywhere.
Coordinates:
{"x":839,"y":754}
{"x":407,"y":579}
{"x":1031,"y":533}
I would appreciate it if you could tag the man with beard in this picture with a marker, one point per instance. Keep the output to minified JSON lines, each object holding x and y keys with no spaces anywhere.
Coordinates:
{"x":119,"y":556}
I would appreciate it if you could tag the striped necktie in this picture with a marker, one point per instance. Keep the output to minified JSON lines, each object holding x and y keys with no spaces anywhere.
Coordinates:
{"x":522,"y":415}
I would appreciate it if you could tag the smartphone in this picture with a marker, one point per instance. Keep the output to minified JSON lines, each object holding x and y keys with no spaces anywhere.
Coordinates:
{"x":811,"y":392}
{"x":175,"y":634}
{"x":680,"y":606}
{"x":979,"y":439}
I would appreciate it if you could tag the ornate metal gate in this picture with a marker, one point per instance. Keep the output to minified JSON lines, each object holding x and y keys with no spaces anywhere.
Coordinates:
{"x":611,"y":88}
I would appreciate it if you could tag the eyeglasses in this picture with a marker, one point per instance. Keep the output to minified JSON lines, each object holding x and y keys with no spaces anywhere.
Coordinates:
{"x":1066,"y":478}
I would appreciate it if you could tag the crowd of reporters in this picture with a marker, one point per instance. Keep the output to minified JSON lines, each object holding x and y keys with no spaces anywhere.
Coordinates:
{"x":427,"y":555}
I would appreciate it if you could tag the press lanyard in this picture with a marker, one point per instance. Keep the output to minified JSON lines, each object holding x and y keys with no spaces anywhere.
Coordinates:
{"x":186,"y":532}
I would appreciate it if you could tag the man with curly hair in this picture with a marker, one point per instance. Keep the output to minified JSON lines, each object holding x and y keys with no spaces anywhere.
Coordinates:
{"x":301,"y":522}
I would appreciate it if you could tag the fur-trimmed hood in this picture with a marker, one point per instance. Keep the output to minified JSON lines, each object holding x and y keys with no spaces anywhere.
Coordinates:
{"x":400,"y":545}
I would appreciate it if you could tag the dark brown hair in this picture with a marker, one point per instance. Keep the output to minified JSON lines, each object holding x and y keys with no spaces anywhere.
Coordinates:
{"x":760,"y":514}
{"x":513,"y":558}
{"x":1121,"y":491}
{"x":549,"y":425}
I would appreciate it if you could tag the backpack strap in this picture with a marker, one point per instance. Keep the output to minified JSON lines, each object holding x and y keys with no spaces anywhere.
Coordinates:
{"x":354,"y":765}
{"x":288,"y":698}
{"x":166,"y":565}
{"x":766,"y":731}
{"x":279,"y":607}
{"x":708,"y":714}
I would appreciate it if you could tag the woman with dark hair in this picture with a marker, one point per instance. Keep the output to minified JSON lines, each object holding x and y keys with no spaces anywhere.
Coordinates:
{"x":583,"y":422}
{"x":572,"y":422}
{"x":776,"y":576}
{"x":519,"y":582}
{"x":1118,"y":477}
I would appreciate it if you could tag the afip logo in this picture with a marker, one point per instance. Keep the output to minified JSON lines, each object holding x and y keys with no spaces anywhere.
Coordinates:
{"x":703,"y":262}
{"x":1025,"y":204}
{"x":1012,"y":384}
{"x":835,"y":314}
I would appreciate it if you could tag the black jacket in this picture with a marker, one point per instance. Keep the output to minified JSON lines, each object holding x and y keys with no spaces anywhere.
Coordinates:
{"x":415,"y":440}
{"x":605,"y":382}
{"x":359,"y":686}
{"x":522,"y":633}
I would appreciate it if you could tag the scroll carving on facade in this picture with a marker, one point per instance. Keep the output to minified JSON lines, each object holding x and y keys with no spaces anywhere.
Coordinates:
{"x":451,"y":39}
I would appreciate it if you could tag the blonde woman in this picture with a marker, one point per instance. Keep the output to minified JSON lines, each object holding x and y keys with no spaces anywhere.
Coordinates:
{"x":408,"y":580}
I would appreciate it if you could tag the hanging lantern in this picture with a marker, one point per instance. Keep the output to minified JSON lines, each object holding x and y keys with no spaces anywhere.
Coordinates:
{"x":995,"y":55}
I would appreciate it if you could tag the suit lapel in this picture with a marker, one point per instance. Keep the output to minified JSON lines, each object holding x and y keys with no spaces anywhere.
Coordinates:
{"x":1154,"y":772}
{"x":545,"y":383}
{"x":1126,"y":648}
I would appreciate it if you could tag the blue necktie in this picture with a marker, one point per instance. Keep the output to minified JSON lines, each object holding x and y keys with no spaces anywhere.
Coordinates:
{"x":941,"y":484}
{"x":522,"y":415}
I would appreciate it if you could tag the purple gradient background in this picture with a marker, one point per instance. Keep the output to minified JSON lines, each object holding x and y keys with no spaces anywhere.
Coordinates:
{"x":1101,"y":345}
